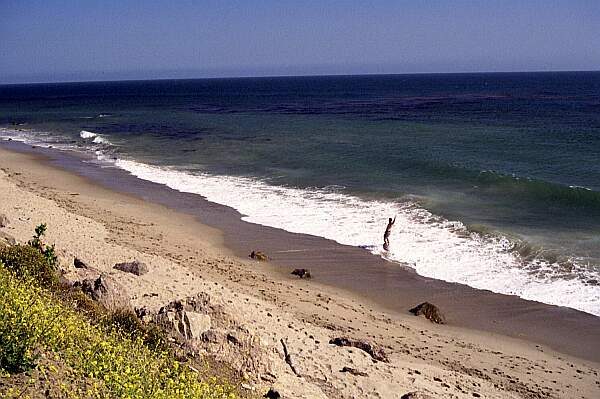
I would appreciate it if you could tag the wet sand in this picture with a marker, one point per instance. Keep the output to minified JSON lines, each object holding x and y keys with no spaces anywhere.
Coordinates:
{"x":392,"y":286}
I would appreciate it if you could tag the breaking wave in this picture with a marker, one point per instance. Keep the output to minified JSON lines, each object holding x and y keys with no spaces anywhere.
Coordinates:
{"x":433,"y":246}
{"x":84,"y":134}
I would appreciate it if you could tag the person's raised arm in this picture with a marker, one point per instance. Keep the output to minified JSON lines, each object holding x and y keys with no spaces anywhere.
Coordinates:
{"x":394,"y":219}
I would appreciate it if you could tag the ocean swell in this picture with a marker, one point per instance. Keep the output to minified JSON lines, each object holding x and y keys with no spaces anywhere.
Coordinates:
{"x":542,"y":192}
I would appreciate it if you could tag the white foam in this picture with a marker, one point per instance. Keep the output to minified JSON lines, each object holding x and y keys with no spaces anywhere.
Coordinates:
{"x":433,"y":246}
{"x":100,"y":140}
{"x":16,"y":135}
{"x":84,"y":134}
{"x":34,"y":137}
{"x":97,"y":139}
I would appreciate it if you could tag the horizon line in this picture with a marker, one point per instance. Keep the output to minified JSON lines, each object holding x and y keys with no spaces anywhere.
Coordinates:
{"x":267,"y":76}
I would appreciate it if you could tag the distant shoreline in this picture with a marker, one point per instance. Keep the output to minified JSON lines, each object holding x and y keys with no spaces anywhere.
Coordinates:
{"x":282,"y":76}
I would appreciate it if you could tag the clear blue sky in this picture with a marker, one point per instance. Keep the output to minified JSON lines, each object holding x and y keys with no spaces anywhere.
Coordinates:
{"x":90,"y":40}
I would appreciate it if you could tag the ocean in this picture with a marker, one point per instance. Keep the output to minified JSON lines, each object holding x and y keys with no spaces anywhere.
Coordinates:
{"x":494,"y":178}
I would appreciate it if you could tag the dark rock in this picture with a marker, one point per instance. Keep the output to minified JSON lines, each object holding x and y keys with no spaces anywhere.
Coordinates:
{"x":232,"y":337}
{"x":79,"y":264}
{"x":376,"y":352}
{"x":269,"y":377}
{"x":430,"y":311}
{"x":136,"y":267}
{"x":302,"y":273}
{"x":3,"y":220}
{"x":416,"y":395}
{"x":142,"y":313}
{"x":210,"y":336}
{"x":272,"y":394}
{"x":352,"y":371}
{"x":258,"y":255}
{"x":105,"y":291}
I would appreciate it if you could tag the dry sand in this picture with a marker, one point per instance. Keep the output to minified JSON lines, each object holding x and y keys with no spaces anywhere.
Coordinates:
{"x":103,"y":227}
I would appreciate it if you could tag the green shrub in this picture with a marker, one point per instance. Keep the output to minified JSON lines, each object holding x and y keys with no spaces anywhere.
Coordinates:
{"x":127,"y":322}
{"x":155,"y":338}
{"x":124,"y":321}
{"x":77,"y":300}
{"x":46,"y":250}
{"x":28,"y":262}
{"x":32,"y":321}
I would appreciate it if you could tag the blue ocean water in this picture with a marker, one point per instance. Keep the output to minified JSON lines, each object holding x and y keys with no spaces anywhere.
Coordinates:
{"x":495,"y":177}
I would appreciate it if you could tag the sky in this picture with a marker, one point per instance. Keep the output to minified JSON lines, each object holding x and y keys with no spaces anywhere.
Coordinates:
{"x":46,"y":41}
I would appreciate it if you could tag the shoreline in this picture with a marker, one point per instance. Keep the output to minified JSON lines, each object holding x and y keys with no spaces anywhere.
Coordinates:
{"x":472,"y":257}
{"x":216,"y":233}
{"x":390,"y":285}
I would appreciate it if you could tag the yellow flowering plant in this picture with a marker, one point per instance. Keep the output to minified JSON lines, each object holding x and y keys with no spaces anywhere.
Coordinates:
{"x":39,"y":332}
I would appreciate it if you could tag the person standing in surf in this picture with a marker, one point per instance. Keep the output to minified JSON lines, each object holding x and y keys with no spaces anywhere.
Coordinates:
{"x":388,"y":231}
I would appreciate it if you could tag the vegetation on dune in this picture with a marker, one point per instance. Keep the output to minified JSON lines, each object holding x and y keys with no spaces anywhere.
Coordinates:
{"x":46,"y":250}
{"x":127,"y":323}
{"x":29,"y":263}
{"x":52,"y":339}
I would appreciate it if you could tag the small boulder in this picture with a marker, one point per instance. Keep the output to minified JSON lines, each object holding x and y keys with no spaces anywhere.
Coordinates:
{"x":302,"y":273}
{"x":105,"y":291}
{"x":352,"y":371}
{"x":136,"y":267}
{"x":79,"y":264}
{"x":187,"y":324}
{"x":430,"y":311}
{"x":3,"y":220}
{"x":375,"y":351}
{"x":416,"y":395}
{"x":197,"y":324}
{"x":232,"y":337}
{"x":258,"y":255}
{"x":272,"y":394}
{"x":211,"y":336}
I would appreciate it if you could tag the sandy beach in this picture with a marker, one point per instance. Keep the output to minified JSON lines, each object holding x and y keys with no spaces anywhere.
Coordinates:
{"x":493,"y":346}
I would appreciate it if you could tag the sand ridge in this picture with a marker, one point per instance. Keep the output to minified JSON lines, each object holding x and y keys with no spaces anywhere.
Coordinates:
{"x":104,"y":227}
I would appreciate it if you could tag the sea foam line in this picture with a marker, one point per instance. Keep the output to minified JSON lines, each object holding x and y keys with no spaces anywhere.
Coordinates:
{"x":433,"y":246}
{"x":97,"y":139}
{"x":84,"y":134}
